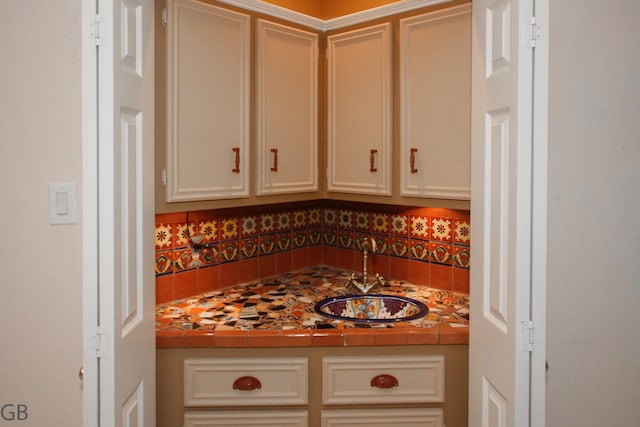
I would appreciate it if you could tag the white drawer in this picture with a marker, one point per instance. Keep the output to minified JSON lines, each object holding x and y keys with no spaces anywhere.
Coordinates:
{"x":416,"y":417}
{"x":382,"y":379}
{"x":248,"y":418}
{"x":245,"y":381}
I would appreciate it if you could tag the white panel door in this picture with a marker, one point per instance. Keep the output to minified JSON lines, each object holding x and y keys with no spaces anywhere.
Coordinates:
{"x":499,"y":354}
{"x":126,"y":213}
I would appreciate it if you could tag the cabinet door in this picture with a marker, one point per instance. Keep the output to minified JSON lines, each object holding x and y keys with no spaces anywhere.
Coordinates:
{"x":405,"y":417}
{"x":208,"y":55}
{"x":435,"y":100}
{"x":286,"y":113}
{"x":248,"y":418}
{"x":359,"y":116}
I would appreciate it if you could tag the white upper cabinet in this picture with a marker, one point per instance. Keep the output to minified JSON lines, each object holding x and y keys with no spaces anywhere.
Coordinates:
{"x":208,"y":59}
{"x":360,"y":110}
{"x":286,"y":109}
{"x":435,"y":101}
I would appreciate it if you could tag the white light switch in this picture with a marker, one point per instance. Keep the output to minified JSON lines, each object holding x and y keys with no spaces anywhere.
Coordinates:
{"x":62,"y":203}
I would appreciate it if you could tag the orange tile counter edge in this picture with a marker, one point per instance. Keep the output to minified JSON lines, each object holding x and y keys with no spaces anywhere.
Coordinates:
{"x":441,"y":334}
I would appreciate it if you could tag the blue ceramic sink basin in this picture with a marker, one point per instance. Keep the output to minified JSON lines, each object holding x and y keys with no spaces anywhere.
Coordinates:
{"x":371,"y":308}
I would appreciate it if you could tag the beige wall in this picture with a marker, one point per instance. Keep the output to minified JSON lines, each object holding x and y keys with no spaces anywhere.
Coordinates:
{"x":40,"y":132}
{"x":593,"y":312}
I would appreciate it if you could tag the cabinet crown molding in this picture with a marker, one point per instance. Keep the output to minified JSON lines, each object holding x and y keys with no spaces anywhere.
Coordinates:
{"x":335,"y":23}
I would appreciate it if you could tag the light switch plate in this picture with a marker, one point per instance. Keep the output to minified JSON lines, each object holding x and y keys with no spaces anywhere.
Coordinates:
{"x":62,"y":203}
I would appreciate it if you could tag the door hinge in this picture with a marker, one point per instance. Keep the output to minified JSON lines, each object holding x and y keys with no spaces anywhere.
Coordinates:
{"x":164,"y":17}
{"x":527,"y":337}
{"x":163,"y":177}
{"x":99,"y":342}
{"x":97,"y":28}
{"x":533,"y":32}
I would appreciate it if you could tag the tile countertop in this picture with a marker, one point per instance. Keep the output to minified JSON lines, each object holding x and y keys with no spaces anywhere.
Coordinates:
{"x":279,"y":311}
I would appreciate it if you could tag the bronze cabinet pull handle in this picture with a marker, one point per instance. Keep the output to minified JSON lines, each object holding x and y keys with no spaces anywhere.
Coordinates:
{"x":246,"y":383}
{"x":384,"y":381}
{"x":274,"y":167}
{"x":236,"y":169}
{"x":372,"y":160}
{"x":412,"y":160}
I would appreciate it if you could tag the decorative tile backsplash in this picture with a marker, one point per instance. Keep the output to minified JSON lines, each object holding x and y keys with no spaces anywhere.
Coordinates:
{"x":204,"y":250}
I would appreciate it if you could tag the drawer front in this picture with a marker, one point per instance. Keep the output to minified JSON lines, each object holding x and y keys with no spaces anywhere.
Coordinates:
{"x":247,"y":418}
{"x":423,"y":417}
{"x":383,"y":379}
{"x":245,"y":381}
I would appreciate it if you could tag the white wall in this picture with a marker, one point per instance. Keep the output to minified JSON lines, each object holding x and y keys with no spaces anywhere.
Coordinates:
{"x":40,"y":134}
{"x":594,"y":202}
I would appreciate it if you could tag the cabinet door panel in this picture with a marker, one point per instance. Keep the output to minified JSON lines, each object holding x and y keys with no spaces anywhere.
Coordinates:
{"x":408,"y":417}
{"x":359,"y":116}
{"x":286,"y":115}
{"x":207,"y":102}
{"x":435,"y":74}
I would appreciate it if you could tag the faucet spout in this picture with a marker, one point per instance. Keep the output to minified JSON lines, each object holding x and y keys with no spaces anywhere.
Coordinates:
{"x":368,"y":244}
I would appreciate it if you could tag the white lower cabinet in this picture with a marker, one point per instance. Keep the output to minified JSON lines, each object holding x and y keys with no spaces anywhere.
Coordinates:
{"x":328,"y":390}
{"x":253,"y":418}
{"x":381,"y":380}
{"x":408,"y":417}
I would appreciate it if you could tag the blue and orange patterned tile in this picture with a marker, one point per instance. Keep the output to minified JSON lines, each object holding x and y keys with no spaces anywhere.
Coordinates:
{"x":249,"y":248}
{"x":399,"y":247}
{"x":419,"y":249}
{"x":314,"y":217}
{"x":461,"y":257}
{"x":462,"y":232}
{"x":441,"y":253}
{"x":441,"y":229}
{"x":399,"y":225}
{"x":267,"y":245}
{"x":345,"y":219}
{"x":380,"y":223}
{"x":163,"y":236}
{"x":164,"y":262}
{"x":361,"y":221}
{"x":229,"y":229}
{"x":299,"y":219}
{"x":267,"y":223}
{"x":419,"y":227}
{"x":329,"y":217}
{"x":345,"y":239}
{"x":283,"y":221}
{"x":248,"y":226}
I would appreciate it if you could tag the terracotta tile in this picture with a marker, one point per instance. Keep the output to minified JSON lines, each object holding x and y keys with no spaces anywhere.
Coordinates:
{"x":449,"y":335}
{"x":419,"y":272}
{"x":461,"y":280}
{"x":295,"y":338}
{"x":283,"y":262}
{"x":329,"y":255}
{"x":197,"y":338}
{"x":186,"y":283}
{"x":231,"y":339}
{"x":314,"y":255}
{"x":267,"y":265}
{"x":356,"y":336}
{"x":165,"y":290}
{"x":347,"y":259}
{"x":441,"y":276}
{"x":390,"y":337}
{"x":264,"y":338}
{"x":170,"y":339}
{"x":248,"y":270}
{"x":399,"y":268}
{"x":418,"y":336}
{"x":229,"y":274}
{"x":327,"y":338}
{"x":299,"y":258}
{"x":208,"y":279}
